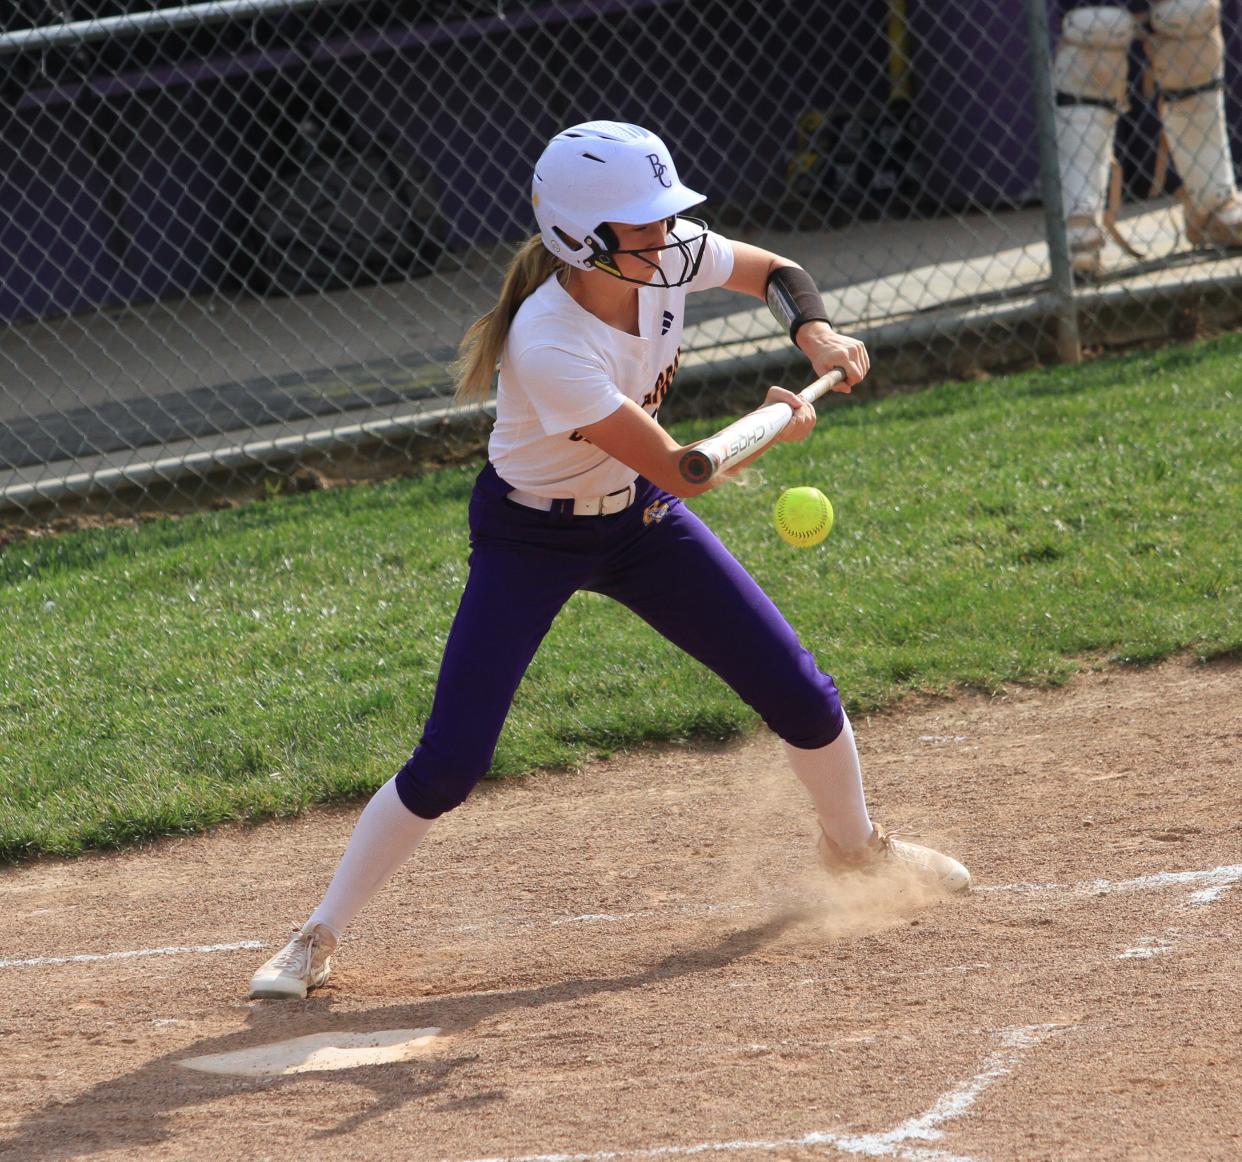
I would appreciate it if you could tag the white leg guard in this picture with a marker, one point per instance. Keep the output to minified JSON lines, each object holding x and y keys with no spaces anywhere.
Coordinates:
{"x":1090,"y":74}
{"x":1187,"y":58}
{"x":385,"y":836}
{"x":833,"y":777}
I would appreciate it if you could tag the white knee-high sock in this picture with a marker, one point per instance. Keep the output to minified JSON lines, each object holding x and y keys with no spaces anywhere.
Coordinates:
{"x":384,"y":837}
{"x":833,"y":777}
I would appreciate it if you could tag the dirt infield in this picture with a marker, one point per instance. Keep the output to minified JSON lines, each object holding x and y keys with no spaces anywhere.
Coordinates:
{"x":640,"y":961}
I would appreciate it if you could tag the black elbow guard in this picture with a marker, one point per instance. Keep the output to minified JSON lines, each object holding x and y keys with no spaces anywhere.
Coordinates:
{"x":794,"y":299}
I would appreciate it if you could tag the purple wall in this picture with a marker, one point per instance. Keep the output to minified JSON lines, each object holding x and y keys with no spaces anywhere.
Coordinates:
{"x":975,"y":96}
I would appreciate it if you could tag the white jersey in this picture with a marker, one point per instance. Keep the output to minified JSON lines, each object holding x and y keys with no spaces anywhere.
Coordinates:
{"x":563,"y":369}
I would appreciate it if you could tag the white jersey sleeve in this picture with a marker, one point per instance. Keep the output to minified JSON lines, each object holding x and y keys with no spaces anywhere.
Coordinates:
{"x":565,"y":389}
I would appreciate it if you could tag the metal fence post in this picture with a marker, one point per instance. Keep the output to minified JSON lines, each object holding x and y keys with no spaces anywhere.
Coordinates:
{"x":1069,"y":343}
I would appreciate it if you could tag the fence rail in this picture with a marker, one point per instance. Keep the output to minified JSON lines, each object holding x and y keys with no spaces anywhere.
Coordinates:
{"x":76,"y":33}
{"x":243,"y":237}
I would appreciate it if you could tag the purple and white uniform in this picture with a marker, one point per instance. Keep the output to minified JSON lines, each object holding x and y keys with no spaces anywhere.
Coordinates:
{"x":564,"y":369}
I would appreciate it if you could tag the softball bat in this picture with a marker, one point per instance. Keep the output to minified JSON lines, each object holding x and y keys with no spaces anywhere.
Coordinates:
{"x":746,"y":436}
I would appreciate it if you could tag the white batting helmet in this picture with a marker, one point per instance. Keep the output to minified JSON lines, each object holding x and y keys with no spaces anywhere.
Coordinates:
{"x":608,"y":171}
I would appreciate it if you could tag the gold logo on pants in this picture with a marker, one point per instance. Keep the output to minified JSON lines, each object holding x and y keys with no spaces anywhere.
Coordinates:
{"x":653,"y":514}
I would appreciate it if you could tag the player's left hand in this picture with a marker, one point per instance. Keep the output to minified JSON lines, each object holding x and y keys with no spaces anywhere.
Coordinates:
{"x":803,"y":421}
{"x":826,"y":349}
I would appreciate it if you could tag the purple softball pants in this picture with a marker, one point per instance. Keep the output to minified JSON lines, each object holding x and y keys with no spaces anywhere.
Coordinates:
{"x":656,"y":558}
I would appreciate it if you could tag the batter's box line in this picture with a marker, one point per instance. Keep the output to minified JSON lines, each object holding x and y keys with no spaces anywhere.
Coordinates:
{"x":1217,"y":881}
{"x":901,"y":1142}
{"x":130,"y":954}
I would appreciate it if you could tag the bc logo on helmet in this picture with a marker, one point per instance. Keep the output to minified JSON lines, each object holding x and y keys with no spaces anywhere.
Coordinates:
{"x":659,"y":169}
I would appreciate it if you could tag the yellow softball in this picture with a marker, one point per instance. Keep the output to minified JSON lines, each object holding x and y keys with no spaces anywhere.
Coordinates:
{"x":803,"y":516}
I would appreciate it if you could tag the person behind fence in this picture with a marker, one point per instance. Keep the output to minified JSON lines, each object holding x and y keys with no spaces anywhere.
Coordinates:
{"x":1185,"y":52}
{"x":581,"y":491}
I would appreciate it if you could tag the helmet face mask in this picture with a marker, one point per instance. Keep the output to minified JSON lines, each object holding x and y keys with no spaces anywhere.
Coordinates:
{"x":670,"y":265}
{"x":604,"y":172}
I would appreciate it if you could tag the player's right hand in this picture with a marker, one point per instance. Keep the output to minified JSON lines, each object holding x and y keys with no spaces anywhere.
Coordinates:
{"x":803,"y":421}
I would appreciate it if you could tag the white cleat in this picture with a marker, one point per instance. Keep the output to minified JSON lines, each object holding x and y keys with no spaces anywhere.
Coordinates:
{"x":931,"y":867}
{"x":304,"y":963}
{"x":1221,"y":227}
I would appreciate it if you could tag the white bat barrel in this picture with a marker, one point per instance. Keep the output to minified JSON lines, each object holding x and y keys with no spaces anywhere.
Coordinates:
{"x":700,"y":463}
{"x":746,"y":436}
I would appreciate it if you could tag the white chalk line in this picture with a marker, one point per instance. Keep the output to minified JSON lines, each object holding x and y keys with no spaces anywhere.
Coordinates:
{"x":1173,"y":940}
{"x":85,"y":957}
{"x":1148,"y":946}
{"x":1218,"y":880}
{"x":1208,"y":895}
{"x":594,"y":918}
{"x":900,"y":1142}
{"x":493,"y":925}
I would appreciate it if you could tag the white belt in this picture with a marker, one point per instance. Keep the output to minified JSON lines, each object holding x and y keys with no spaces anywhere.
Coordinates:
{"x":583,"y":506}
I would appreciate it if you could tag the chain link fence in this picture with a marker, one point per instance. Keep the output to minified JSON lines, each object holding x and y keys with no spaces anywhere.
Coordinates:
{"x":240,"y":239}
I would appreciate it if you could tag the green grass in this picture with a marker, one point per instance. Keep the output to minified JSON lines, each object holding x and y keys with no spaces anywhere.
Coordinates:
{"x":242,"y":664}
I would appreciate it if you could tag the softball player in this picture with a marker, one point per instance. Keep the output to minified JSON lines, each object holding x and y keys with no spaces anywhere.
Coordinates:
{"x":582,"y":491}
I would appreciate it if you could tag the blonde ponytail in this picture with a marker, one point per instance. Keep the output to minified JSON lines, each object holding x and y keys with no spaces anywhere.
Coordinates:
{"x":484,"y":339}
